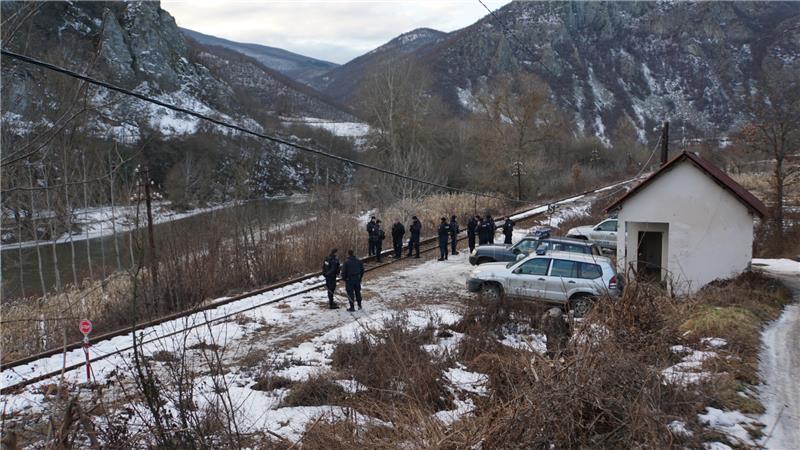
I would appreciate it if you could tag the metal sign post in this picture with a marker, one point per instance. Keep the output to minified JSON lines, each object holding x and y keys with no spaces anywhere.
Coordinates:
{"x":86,"y":328}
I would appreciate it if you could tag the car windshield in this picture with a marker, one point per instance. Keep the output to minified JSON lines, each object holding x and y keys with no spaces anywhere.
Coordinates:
{"x":526,"y":246}
{"x":608,"y":225}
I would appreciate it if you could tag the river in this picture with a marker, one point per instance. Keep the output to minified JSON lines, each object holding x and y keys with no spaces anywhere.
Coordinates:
{"x":20,"y":266}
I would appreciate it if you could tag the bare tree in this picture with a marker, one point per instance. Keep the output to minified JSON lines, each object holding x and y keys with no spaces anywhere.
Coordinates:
{"x":400,"y":108}
{"x":774,"y":130}
{"x":522,"y":120}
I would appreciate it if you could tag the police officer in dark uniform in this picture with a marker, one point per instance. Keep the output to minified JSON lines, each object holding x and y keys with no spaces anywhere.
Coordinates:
{"x":352,"y":273}
{"x":444,"y":233}
{"x":508,"y":230}
{"x":330,"y":270}
{"x":416,"y":230}
{"x":492,"y":228}
{"x":453,"y":235}
{"x":483,"y":231}
{"x":370,"y":229}
{"x":472,"y":228}
{"x":398,"y":231}
{"x":376,"y":239}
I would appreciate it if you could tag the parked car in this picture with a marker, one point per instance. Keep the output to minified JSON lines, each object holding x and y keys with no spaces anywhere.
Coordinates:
{"x":604,"y":233}
{"x":531,"y":244}
{"x":561,"y":278}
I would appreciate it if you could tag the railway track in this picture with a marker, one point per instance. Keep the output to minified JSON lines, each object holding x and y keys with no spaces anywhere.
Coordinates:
{"x":71,"y":357}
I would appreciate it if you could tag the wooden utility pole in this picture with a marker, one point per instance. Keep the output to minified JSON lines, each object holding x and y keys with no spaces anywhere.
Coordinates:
{"x":518,"y":174}
{"x":150,"y":235}
{"x":665,"y":143}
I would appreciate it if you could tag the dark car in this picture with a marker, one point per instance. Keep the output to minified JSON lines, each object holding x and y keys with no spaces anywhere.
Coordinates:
{"x":530,"y":244}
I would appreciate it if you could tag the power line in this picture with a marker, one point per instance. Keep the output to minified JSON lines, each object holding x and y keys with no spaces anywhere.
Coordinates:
{"x":271,"y":138}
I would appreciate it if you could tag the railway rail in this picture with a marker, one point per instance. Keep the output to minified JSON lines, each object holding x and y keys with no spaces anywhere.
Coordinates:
{"x":305,"y":284}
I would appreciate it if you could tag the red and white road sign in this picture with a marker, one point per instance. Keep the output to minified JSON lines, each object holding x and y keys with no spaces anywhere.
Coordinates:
{"x":86,"y":327}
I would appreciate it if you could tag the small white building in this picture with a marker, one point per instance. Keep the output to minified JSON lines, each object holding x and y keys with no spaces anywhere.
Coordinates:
{"x":686,"y":225}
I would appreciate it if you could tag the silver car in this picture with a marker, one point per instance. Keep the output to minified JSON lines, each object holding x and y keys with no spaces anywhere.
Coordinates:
{"x":604,"y":233}
{"x":563,"y":278}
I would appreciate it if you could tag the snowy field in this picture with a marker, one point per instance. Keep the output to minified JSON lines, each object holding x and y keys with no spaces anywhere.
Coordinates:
{"x":300,"y":333}
{"x":295,"y":339}
{"x":356,"y":132}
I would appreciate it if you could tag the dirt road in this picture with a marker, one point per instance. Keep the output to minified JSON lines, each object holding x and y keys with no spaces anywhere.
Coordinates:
{"x":780,"y":370}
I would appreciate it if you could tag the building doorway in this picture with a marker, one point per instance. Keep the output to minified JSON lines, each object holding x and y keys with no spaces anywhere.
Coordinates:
{"x":648,"y":258}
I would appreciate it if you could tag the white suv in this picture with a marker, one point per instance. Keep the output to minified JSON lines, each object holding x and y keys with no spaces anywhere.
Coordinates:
{"x":604,"y":233}
{"x":563,"y":278}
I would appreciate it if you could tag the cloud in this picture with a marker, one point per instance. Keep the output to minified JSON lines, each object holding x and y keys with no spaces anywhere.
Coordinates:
{"x":336,"y":31}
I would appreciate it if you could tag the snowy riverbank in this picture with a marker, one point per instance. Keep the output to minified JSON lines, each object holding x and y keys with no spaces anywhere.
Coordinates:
{"x":104,"y":221}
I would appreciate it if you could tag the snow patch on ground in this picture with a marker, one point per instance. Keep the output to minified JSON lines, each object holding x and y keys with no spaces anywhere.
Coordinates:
{"x":689,"y":370}
{"x":730,"y":423}
{"x":777,"y":265}
{"x":779,"y":363}
{"x":465,"y":380}
{"x":678,"y":428}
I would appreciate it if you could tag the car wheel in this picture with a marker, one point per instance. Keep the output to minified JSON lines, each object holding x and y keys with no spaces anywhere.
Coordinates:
{"x":483,"y":260}
{"x":578,"y":236}
{"x":580,"y":304}
{"x":491,"y":292}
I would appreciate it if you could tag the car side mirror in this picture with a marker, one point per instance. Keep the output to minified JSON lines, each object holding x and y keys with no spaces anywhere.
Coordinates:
{"x":515,"y":251}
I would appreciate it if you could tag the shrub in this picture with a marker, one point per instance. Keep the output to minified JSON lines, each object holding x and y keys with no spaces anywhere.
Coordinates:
{"x":394,"y":367}
{"x":316,"y":391}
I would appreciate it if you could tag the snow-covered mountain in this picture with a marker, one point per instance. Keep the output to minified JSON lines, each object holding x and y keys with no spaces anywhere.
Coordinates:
{"x":694,"y":63}
{"x":298,"y":67}
{"x":341,"y":83}
{"x":137,"y":45}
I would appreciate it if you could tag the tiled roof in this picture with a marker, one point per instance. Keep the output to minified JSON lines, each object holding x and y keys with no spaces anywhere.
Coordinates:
{"x":743,"y":195}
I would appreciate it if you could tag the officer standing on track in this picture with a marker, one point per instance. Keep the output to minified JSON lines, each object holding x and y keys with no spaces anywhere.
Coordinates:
{"x":508,"y":230}
{"x":352,"y":273}
{"x":492,"y":228}
{"x":330,"y":270}
{"x":483,"y":231}
{"x":453,"y":235}
{"x":444,"y":233}
{"x":370,"y":229}
{"x":376,"y":238}
{"x":416,"y":230}
{"x":472,"y":228}
{"x":398,"y":231}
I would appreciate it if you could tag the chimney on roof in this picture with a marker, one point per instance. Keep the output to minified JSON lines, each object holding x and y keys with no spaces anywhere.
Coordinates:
{"x":665,"y":143}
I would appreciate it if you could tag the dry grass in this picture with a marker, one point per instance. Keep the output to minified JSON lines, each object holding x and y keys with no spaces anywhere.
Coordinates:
{"x":606,"y":392}
{"x":33,"y":325}
{"x":431,"y":209}
{"x":759,"y":183}
{"x":194,"y":267}
{"x":736,"y":309}
{"x":395,"y":369}
{"x":316,"y":391}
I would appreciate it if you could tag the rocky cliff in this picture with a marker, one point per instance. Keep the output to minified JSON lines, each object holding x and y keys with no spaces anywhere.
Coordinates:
{"x":694,"y":63}
{"x":137,"y":45}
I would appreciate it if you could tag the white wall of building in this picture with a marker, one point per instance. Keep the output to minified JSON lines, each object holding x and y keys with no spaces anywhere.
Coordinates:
{"x":710,"y":231}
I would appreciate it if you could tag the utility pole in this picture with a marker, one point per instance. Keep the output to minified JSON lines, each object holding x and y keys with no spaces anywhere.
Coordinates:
{"x":518,"y":174}
{"x":665,"y":143}
{"x":150,"y":235}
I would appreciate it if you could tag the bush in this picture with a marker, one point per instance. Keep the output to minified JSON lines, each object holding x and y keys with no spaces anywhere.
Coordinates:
{"x":395,"y":368}
{"x":316,"y":391}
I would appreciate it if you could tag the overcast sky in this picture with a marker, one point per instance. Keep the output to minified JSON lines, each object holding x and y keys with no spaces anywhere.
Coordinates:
{"x":336,"y":31}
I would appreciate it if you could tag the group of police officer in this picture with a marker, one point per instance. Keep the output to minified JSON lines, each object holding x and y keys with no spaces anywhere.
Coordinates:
{"x":352,"y":271}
